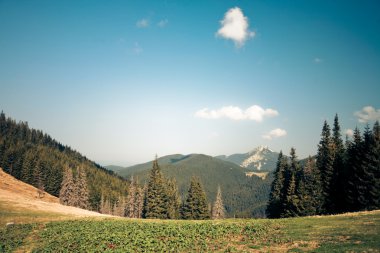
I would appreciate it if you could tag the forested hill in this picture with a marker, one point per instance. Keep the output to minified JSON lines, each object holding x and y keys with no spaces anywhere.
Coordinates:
{"x":37,"y":159}
{"x":243,"y":196}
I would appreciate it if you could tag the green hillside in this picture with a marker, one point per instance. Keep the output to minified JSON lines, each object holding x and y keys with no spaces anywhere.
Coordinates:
{"x":243,"y":196}
{"x":353,"y":232}
{"x":37,"y":159}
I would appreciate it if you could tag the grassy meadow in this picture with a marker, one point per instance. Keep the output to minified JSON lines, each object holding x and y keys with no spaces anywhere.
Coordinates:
{"x":356,"y":232}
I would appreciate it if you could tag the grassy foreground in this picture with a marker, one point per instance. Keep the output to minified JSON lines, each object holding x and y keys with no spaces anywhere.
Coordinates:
{"x":356,"y":232}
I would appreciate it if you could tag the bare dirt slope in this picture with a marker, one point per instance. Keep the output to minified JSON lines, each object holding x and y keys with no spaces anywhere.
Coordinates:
{"x":24,"y":197}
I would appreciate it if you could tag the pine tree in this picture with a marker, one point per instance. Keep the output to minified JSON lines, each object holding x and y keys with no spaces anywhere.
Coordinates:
{"x":325,"y":160}
{"x":156,"y":199}
{"x":276,"y":196}
{"x":82,"y":189}
{"x":373,"y":169}
{"x":309,"y":189}
{"x":339,"y":175}
{"x":131,"y":200}
{"x":139,"y":207}
{"x":195,"y":206}
{"x":353,"y":168}
{"x":218,"y":210}
{"x":174,"y":199}
{"x":291,"y":205}
{"x":67,"y":192}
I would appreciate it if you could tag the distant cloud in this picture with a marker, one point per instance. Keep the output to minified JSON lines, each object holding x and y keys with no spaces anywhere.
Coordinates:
{"x":349,"y":132}
{"x":275,"y":133}
{"x":143,"y":23}
{"x":137,"y":49}
{"x":367,"y":113}
{"x":163,"y":23}
{"x":234,"y":26}
{"x":318,"y":60}
{"x":254,"y":112}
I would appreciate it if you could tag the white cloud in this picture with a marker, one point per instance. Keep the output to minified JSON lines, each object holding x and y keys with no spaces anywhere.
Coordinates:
{"x":349,"y":132}
{"x":318,"y":60}
{"x":163,"y":23}
{"x":234,"y":26}
{"x":367,"y":113}
{"x":137,"y":49}
{"x":143,"y":23}
{"x":254,"y":112}
{"x":275,"y":133}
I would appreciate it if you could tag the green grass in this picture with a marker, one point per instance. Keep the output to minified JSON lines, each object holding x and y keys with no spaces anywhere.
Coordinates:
{"x":344,"y":233}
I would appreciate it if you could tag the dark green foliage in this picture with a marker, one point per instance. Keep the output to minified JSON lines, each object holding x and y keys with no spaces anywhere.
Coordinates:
{"x":291,"y":204}
{"x":372,"y":166}
{"x":325,"y":161}
{"x":174,"y":199}
{"x":35,"y":158}
{"x":156,"y":202}
{"x":309,"y":189}
{"x":195,"y":206}
{"x":242,"y":196}
{"x":363,"y":169}
{"x":353,"y":168}
{"x":275,"y":204}
{"x":339,"y":175}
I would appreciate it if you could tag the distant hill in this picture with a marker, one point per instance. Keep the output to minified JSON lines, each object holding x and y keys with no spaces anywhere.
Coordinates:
{"x":259,"y":159}
{"x":243,"y":195}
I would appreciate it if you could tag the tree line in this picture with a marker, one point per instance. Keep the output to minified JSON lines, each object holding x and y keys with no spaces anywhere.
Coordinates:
{"x":159,"y":199}
{"x":342,"y":177}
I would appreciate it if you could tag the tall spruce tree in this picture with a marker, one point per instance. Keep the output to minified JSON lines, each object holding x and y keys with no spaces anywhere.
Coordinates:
{"x":67,"y":192}
{"x":156,"y":198}
{"x":195,"y":206}
{"x":82,"y":189}
{"x":373,"y":169}
{"x":218,"y":210}
{"x":309,"y":189}
{"x":174,"y":199}
{"x":339,"y":175}
{"x":276,"y":196}
{"x":325,"y":161}
{"x":291,"y":206}
{"x":131,"y":199}
{"x":353,"y":168}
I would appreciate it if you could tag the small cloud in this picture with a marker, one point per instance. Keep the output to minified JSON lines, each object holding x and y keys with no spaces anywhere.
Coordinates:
{"x":254,"y":112}
{"x":275,"y":133}
{"x":349,"y":132}
{"x":367,"y":113}
{"x":143,"y":23}
{"x":234,"y":26}
{"x":163,"y":23}
{"x":137,"y":49}
{"x":317,"y":60}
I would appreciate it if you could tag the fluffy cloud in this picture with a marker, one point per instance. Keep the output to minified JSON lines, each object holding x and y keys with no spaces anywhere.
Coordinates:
{"x":143,"y":23}
{"x":318,"y":60}
{"x":275,"y":133}
{"x":349,"y":132}
{"x":163,"y":23}
{"x":234,"y":26}
{"x":367,"y":113}
{"x":254,"y":112}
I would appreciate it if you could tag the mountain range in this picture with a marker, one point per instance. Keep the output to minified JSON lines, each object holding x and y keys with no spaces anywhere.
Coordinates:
{"x":245,"y":192}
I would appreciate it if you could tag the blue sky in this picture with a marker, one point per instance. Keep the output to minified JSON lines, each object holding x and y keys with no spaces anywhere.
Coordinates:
{"x":120,"y":81}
